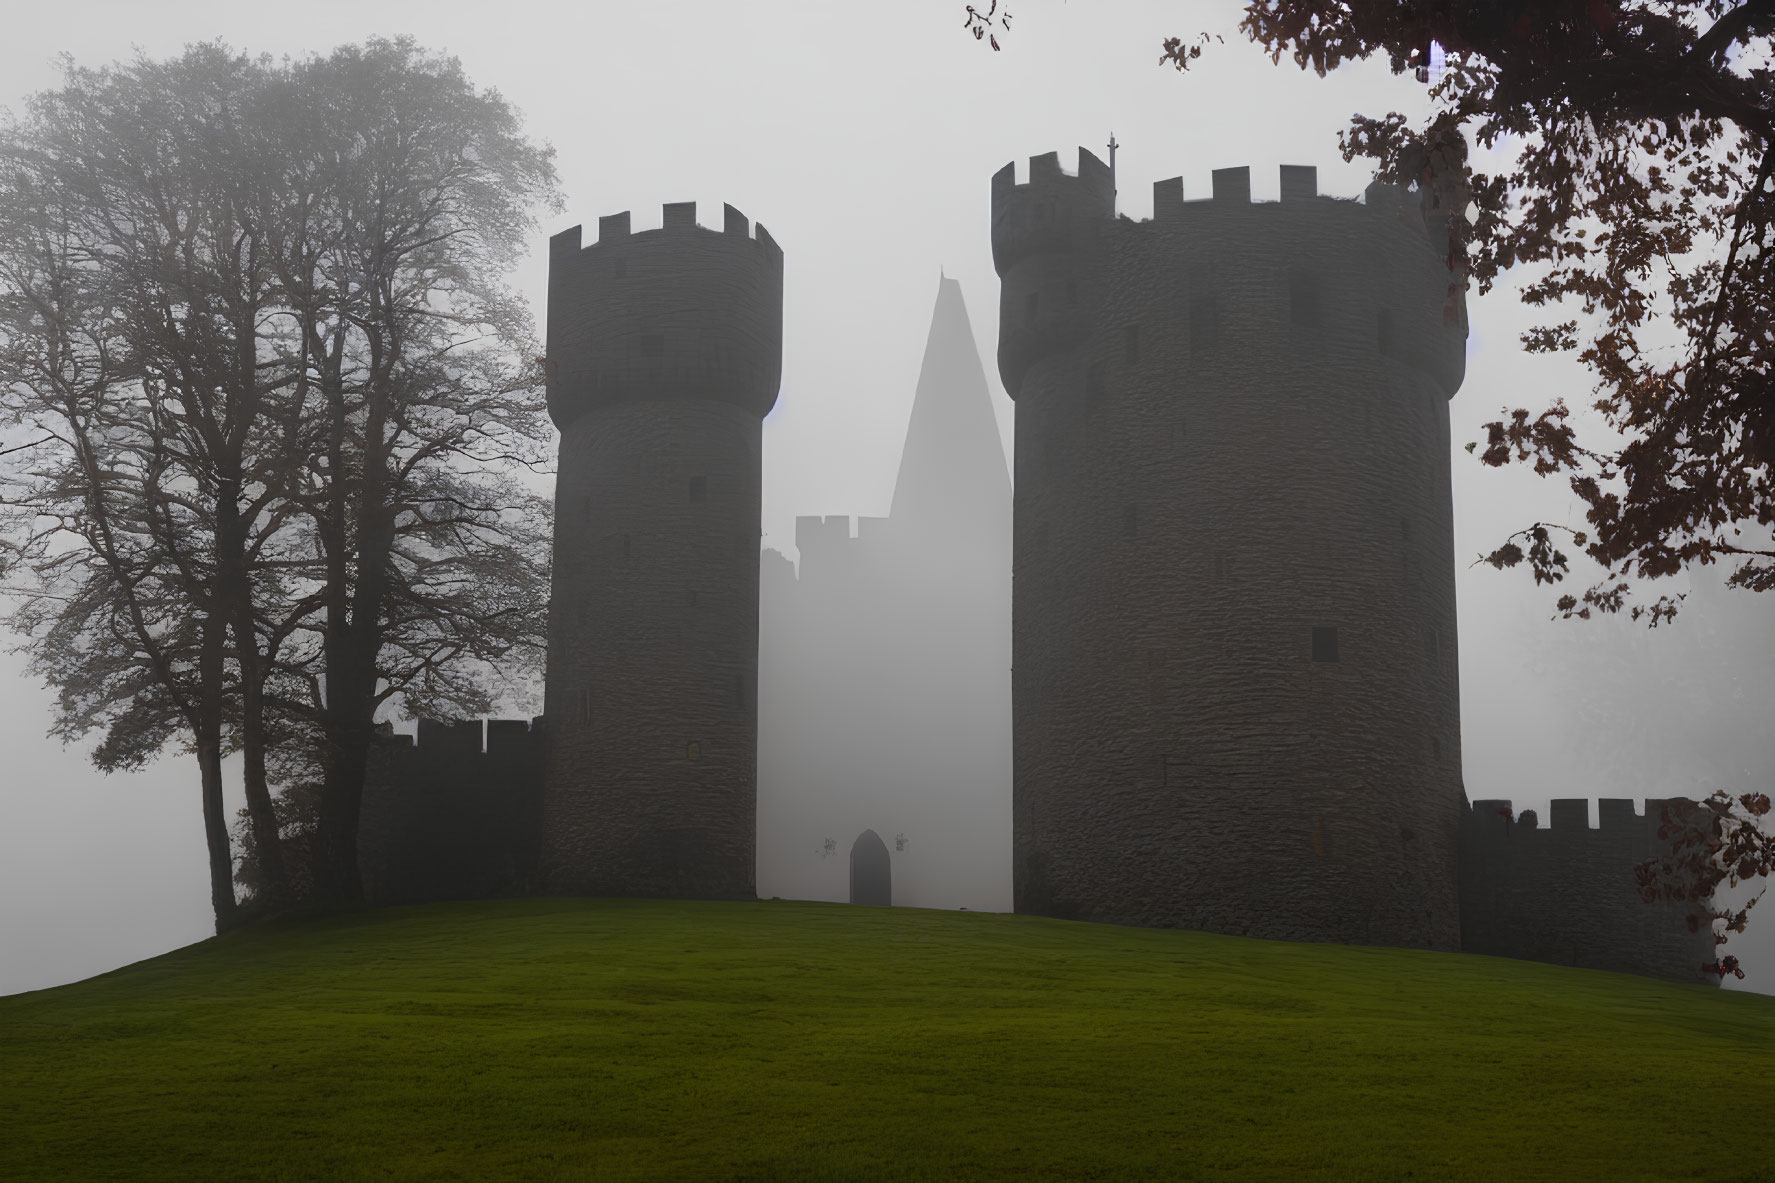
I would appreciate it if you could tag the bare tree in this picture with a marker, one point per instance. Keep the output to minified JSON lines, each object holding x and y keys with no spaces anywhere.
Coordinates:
{"x":134,"y":360}
{"x":409,"y":195}
{"x":266,"y":400}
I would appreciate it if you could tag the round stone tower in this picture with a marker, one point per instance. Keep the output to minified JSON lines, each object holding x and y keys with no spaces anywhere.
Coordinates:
{"x":1235,"y":694}
{"x":664,"y":356}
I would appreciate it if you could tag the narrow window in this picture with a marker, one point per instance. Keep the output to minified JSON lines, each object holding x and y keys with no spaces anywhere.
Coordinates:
{"x":699,"y":489}
{"x":1324,"y":643}
{"x":1030,"y":304}
{"x":1131,"y":341}
{"x":1303,"y":299}
{"x":653,"y":345}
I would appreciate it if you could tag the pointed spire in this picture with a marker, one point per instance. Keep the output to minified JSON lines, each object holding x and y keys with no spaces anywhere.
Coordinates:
{"x":953,"y":484}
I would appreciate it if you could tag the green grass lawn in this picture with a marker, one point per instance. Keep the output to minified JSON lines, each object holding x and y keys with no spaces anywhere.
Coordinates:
{"x":598,"y":1039}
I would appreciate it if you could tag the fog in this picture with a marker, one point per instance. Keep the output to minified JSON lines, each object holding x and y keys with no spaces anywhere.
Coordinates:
{"x":864,"y":137}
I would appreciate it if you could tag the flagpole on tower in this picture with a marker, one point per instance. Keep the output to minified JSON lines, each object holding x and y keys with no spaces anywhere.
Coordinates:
{"x":1112,"y":171}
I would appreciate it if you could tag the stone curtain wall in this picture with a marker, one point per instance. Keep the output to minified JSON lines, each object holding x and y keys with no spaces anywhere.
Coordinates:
{"x":1235,"y":680}
{"x":664,"y":354}
{"x":448,"y":818}
{"x":1565,"y":893}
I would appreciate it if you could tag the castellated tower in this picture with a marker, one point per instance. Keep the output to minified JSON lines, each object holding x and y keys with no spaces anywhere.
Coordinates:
{"x":665,"y":354}
{"x":1235,"y":694}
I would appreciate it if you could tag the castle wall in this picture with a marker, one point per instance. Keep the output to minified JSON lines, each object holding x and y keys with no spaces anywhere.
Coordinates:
{"x":1232,"y":435}
{"x":885,"y":703}
{"x":664,"y":355}
{"x":445,"y":817}
{"x":1565,"y":893}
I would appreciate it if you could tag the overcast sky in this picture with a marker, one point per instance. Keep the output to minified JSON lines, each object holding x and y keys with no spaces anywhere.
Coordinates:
{"x":864,"y":136}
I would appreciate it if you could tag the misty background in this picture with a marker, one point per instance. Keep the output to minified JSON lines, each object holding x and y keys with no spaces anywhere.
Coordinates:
{"x":864,"y":136}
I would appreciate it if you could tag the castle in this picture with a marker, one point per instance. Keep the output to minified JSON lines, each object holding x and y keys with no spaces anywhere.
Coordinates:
{"x":1236,"y":698}
{"x":1233,"y":693}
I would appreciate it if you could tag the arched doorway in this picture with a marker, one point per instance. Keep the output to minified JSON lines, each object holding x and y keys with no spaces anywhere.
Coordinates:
{"x":872,"y":877}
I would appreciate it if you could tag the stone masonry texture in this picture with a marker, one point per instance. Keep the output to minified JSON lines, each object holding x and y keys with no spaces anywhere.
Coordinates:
{"x":1234,"y":687}
{"x":664,"y":354}
{"x":1232,"y":439}
{"x":1565,"y":892}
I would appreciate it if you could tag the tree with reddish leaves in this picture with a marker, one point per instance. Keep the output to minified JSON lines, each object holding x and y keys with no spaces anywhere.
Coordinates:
{"x":1637,"y":203}
{"x":1715,"y":843}
{"x":1640,"y":198}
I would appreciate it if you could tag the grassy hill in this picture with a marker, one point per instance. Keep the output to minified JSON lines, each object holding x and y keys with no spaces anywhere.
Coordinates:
{"x":597,"y":1039}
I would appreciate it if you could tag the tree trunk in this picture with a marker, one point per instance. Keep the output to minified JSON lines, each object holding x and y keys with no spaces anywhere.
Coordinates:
{"x":351,"y":728}
{"x":337,"y":881}
{"x":215,"y":832}
{"x":234,"y":592}
{"x":262,"y":816}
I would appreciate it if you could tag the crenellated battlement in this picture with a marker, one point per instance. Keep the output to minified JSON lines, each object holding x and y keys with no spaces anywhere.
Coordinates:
{"x":830,"y":552}
{"x":1053,"y":212}
{"x":452,"y":812}
{"x":677,"y":218}
{"x":1248,"y":276}
{"x":1232,"y":187}
{"x":1046,"y":213}
{"x":680,"y":312}
{"x":465,"y":737}
{"x":822,"y":534}
{"x":1417,"y":213}
{"x":1570,"y":816}
{"x":1045,"y":246}
{"x":1565,"y":892}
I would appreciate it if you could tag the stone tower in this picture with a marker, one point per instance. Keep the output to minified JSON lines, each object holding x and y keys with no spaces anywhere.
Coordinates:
{"x":665,"y":354}
{"x":1236,"y":703}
